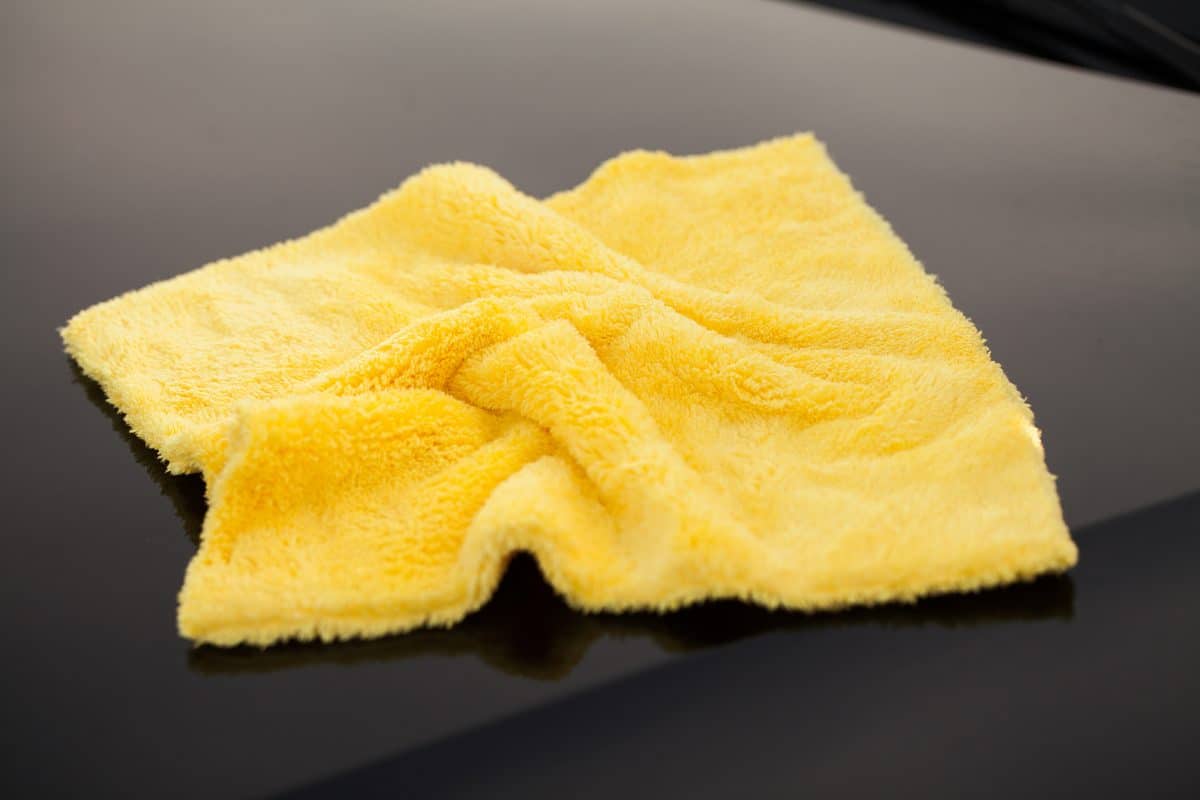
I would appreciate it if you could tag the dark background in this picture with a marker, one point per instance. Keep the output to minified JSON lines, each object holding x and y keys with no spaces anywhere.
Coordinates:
{"x":1057,"y":206}
{"x":1149,"y":40}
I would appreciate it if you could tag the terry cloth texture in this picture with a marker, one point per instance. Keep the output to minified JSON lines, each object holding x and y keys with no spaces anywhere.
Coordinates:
{"x":688,"y":378}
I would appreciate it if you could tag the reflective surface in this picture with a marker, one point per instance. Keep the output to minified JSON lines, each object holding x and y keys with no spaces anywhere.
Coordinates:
{"x":526,"y":630}
{"x":1101,"y":703}
{"x":1059,"y":210}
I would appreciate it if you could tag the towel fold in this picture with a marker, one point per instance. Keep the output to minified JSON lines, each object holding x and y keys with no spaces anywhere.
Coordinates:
{"x":688,"y":378}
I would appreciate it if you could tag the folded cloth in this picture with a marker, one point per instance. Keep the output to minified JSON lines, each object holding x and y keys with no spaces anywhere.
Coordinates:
{"x":688,"y":378}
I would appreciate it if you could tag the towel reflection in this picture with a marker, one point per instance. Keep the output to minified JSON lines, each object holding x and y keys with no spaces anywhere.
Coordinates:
{"x":527,"y":630}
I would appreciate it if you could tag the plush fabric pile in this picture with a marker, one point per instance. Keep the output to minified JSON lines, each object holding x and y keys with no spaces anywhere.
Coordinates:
{"x":688,"y":378}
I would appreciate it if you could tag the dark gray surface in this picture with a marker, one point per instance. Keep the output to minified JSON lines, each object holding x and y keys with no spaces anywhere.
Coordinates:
{"x":1058,"y":208}
{"x":1075,"y":699}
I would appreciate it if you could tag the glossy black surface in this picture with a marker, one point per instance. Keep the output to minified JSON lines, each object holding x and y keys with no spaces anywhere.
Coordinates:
{"x":1066,"y":687}
{"x":1058,"y":208}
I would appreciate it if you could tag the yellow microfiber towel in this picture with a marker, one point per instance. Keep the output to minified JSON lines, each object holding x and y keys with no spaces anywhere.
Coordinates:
{"x":688,"y":378}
